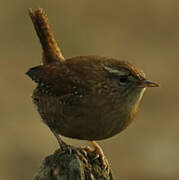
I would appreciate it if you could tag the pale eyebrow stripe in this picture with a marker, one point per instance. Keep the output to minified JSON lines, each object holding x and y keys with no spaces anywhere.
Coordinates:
{"x":115,"y":71}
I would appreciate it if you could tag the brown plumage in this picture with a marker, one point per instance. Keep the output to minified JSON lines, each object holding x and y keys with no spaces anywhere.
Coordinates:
{"x":85,"y":97}
{"x":81,"y":98}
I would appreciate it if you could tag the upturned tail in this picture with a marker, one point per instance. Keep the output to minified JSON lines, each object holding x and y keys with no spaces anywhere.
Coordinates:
{"x":51,"y":51}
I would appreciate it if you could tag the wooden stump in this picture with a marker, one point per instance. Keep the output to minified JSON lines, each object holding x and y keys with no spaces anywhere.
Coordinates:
{"x":72,"y":165}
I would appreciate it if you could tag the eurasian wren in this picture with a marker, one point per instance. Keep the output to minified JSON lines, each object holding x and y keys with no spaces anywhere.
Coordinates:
{"x":86,"y":97}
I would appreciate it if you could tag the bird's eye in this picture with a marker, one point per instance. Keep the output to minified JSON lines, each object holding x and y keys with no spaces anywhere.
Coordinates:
{"x":123,"y":79}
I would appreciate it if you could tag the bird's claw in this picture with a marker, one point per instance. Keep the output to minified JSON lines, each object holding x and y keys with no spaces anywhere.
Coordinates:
{"x":86,"y":150}
{"x":100,"y":155}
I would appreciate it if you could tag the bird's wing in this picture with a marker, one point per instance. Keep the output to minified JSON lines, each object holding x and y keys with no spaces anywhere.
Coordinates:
{"x":59,"y":81}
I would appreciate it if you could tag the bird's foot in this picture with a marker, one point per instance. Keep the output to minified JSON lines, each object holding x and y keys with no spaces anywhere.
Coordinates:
{"x":86,"y":150}
{"x":83,"y":151}
{"x":65,"y":148}
{"x":100,"y":154}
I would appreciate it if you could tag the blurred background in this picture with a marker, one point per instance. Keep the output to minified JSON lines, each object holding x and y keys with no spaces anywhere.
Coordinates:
{"x":146,"y":33}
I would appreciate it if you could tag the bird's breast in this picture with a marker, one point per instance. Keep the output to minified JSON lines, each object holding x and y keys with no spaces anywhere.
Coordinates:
{"x":89,"y":118}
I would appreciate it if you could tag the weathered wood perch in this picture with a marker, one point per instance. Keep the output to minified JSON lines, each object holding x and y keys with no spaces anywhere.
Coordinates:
{"x":70,"y":166}
{"x":72,"y":163}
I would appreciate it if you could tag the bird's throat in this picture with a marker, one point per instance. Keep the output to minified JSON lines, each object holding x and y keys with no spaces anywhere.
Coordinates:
{"x":134,"y":102}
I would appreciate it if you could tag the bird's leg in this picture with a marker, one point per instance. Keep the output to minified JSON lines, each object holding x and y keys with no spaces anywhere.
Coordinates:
{"x":100,"y":154}
{"x":64,"y":147}
{"x":61,"y":143}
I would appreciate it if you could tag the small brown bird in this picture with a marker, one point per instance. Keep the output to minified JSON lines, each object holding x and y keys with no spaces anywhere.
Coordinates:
{"x":86,"y":97}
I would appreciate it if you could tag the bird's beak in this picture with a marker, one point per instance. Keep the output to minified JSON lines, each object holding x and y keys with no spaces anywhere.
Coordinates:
{"x":147,"y":83}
